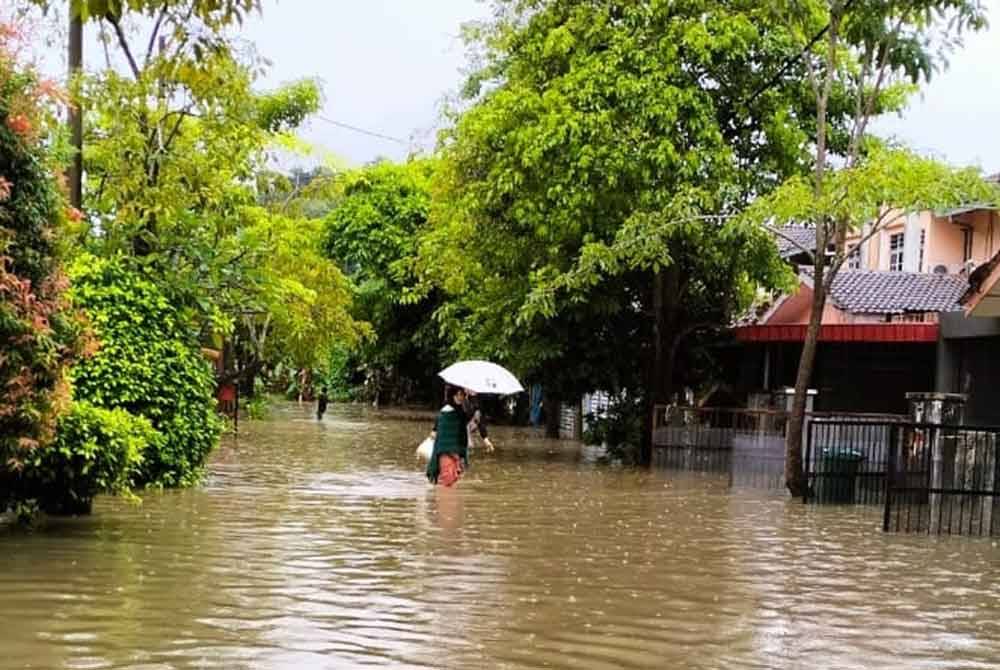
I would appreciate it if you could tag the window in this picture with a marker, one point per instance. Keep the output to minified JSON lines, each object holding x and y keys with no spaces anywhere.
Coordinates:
{"x":966,"y":244}
{"x":854,"y":258}
{"x":896,"y":252}
{"x":923,"y":242}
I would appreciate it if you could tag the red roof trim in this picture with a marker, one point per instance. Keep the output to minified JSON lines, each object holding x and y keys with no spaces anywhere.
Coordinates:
{"x":854,"y":332}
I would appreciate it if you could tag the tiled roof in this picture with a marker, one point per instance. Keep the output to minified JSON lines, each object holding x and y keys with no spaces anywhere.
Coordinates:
{"x":804,"y":237}
{"x":896,"y":292}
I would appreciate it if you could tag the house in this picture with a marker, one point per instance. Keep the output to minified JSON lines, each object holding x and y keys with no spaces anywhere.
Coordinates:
{"x":894,"y":320}
{"x":878,"y":339}
{"x":969,"y":354}
{"x":950,"y":242}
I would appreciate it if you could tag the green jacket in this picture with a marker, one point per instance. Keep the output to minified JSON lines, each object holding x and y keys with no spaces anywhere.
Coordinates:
{"x":451,"y":437}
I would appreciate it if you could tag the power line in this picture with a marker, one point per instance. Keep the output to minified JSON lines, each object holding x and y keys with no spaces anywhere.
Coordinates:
{"x":370,"y":133}
{"x":789,"y":62}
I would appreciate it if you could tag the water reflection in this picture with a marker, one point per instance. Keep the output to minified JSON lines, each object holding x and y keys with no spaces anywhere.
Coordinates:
{"x":320,"y":545}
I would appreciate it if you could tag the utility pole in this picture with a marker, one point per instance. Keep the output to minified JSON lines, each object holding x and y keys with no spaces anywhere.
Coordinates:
{"x":75,"y":117}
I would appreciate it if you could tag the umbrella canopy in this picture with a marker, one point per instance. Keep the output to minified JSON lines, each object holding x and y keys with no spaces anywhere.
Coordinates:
{"x":481,"y":377}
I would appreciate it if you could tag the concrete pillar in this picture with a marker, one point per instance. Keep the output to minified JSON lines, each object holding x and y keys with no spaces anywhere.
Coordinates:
{"x":783,"y":400}
{"x":947,"y":362}
{"x":939,"y":409}
{"x":786,"y":396}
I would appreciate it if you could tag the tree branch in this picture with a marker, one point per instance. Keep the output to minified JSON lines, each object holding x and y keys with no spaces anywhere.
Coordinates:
{"x":123,"y":43}
{"x":181,"y":115}
{"x":821,"y":105}
{"x":104,"y":43}
{"x":811,"y":72}
{"x":861,"y":121}
{"x":859,"y":103}
{"x":156,"y":32}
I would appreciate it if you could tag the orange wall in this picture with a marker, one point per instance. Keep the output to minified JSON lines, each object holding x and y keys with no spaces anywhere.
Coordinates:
{"x":946,"y":246}
{"x":795,"y":311}
{"x":985,"y":242}
{"x":943,"y":242}
{"x":875,"y":254}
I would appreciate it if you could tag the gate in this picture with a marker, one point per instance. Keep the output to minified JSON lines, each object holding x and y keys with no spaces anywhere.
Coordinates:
{"x":930,"y":478}
{"x":846,"y":461}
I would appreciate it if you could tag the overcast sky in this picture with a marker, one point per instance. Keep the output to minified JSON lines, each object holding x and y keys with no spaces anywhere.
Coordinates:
{"x":387,"y":65}
{"x":956,"y":115}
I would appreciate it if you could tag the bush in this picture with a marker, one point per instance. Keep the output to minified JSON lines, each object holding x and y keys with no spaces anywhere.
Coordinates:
{"x":96,"y":451}
{"x":149,"y":365}
{"x":620,"y":429}
{"x":335,"y":377}
{"x":39,"y":332}
{"x":258,"y":405}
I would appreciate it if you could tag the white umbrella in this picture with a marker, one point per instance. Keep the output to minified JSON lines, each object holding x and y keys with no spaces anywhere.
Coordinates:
{"x":481,"y":377}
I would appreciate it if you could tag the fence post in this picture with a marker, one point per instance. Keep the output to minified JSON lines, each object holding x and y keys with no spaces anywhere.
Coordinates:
{"x":805,"y":461}
{"x":890,"y":475}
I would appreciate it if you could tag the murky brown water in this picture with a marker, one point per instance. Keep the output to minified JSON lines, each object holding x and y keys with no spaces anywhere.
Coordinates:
{"x":321,"y":546}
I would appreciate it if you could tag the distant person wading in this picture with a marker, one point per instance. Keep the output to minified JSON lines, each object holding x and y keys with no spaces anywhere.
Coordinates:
{"x":321,"y":402}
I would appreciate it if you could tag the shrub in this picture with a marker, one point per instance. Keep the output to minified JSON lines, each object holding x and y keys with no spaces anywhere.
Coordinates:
{"x":39,"y":332}
{"x":96,"y":451}
{"x":619,"y":429}
{"x":148,"y":364}
{"x":258,"y":405}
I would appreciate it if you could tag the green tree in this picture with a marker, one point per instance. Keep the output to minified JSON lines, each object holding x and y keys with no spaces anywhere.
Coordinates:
{"x":585,"y":185}
{"x":57,"y":454}
{"x":870,"y":54}
{"x":302,"y":307}
{"x":372,"y":234}
{"x":175,"y":144}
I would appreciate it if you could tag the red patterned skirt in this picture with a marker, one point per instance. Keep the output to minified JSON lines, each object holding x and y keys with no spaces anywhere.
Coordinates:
{"x":450,"y":469}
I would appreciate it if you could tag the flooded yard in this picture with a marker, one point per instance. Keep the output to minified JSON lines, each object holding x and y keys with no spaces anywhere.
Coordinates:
{"x":320,"y":545}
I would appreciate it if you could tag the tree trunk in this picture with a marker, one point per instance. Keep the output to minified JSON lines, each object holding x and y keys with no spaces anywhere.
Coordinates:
{"x":795,"y":478}
{"x":666,"y":303}
{"x":75,"y":116}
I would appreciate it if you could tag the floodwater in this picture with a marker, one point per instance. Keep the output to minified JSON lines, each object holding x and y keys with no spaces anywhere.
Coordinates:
{"x":320,"y":545}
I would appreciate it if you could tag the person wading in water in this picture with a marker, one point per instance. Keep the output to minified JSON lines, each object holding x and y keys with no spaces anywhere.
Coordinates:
{"x":451,"y":441}
{"x":477,"y":422}
{"x":321,"y":402}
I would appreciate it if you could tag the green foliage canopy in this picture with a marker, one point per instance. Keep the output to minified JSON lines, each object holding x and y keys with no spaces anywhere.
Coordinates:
{"x":372,"y":234}
{"x":574,"y":186}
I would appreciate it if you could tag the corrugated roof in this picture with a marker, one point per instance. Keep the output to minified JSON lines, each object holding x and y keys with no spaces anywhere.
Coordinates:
{"x":963,"y":209}
{"x":896,"y":292}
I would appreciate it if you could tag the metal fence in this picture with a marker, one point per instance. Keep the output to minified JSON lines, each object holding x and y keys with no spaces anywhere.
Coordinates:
{"x":929,"y":478}
{"x":846,"y":461}
{"x":748,"y":443}
{"x":944,"y":480}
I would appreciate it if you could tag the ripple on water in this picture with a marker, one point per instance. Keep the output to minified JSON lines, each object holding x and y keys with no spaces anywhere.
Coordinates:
{"x":320,"y":545}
